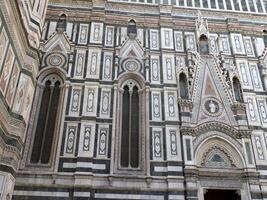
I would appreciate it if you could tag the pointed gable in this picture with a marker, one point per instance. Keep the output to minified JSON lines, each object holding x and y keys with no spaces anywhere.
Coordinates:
{"x":132,"y":48}
{"x":211,"y":102}
{"x":58,"y":42}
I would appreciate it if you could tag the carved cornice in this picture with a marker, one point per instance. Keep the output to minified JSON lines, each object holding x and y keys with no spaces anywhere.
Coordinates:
{"x":185,"y":103}
{"x":236,"y":106}
{"x":215,"y":126}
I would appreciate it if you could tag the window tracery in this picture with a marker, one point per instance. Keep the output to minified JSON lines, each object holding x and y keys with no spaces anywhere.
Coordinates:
{"x":130,"y":126}
{"x":45,"y":120}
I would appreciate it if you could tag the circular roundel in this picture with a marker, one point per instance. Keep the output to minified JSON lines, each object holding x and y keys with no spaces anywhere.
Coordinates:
{"x":56,"y":59}
{"x":131,"y":65}
{"x":212,"y":106}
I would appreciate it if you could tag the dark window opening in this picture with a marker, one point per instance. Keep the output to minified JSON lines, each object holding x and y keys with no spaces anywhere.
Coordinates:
{"x":130,"y":128}
{"x":203,"y":44}
{"x":62,"y":23}
{"x":131,"y":29}
{"x":183,"y":86}
{"x":42,"y":146}
{"x":222,"y":194}
{"x":237,"y":90}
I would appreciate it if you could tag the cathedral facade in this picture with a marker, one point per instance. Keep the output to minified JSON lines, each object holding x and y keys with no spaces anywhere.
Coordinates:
{"x":133,"y":99}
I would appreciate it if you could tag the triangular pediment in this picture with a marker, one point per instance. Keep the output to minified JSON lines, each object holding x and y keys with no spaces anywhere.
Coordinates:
{"x":58,"y":42}
{"x":211,"y":102}
{"x":132,"y":48}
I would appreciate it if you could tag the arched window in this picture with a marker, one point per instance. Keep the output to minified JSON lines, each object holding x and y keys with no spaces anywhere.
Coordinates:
{"x":203,"y":44}
{"x":237,"y":90}
{"x":131,"y":29}
{"x":130,"y":127}
{"x":62,"y":23}
{"x":45,"y":127}
{"x":183,"y":86}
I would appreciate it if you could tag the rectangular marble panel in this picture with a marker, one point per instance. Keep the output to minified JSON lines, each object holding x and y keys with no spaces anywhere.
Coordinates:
{"x":259,"y":45}
{"x":102,"y":144}
{"x":155,"y":69}
{"x":107,"y":66}
{"x":90,"y":100}
{"x":75,"y":100}
{"x":52,"y":28}
{"x":179,"y":41}
{"x":173,"y":146}
{"x":157,"y":143}
{"x":105,"y":104}
{"x":123,"y":34}
{"x":169,"y":74}
{"x":261,"y":101}
{"x":237,"y":43}
{"x":166,"y":38}
{"x":12,"y":84}
{"x":79,"y":64}
{"x":190,"y":41}
{"x":24,"y":96}
{"x":83,"y":34}
{"x":248,"y":46}
{"x":255,"y":76}
{"x":3,"y":46}
{"x":87,"y":140}
{"x":140,"y":36}
{"x":6,"y":71}
{"x":213,"y":43}
{"x":70,"y":139}
{"x":93,"y":63}
{"x":154,"y":39}
{"x":244,"y":73}
{"x":109,"y":40}
{"x":170,"y":105}
{"x":252,"y":110}
{"x":259,"y":147}
{"x":224,"y":44}
{"x":69,"y":29}
{"x":96,"y":33}
{"x":156,"y":106}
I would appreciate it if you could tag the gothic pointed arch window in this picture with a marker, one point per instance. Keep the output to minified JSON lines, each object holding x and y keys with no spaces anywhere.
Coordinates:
{"x":237,"y":90}
{"x":62,"y":23}
{"x":131,"y":29}
{"x":130,"y":126}
{"x":203,"y":44}
{"x":183,"y":86}
{"x":46,"y":114}
{"x":132,"y":118}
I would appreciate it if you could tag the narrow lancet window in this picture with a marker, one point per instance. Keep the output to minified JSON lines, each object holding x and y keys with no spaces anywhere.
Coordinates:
{"x":62,"y":23}
{"x":183,"y":86}
{"x":130,"y":128}
{"x":42,"y":146}
{"x":131,"y":29}
{"x":237,"y":90}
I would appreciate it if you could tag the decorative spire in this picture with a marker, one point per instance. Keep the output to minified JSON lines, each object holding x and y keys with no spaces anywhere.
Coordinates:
{"x":201,"y":26}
